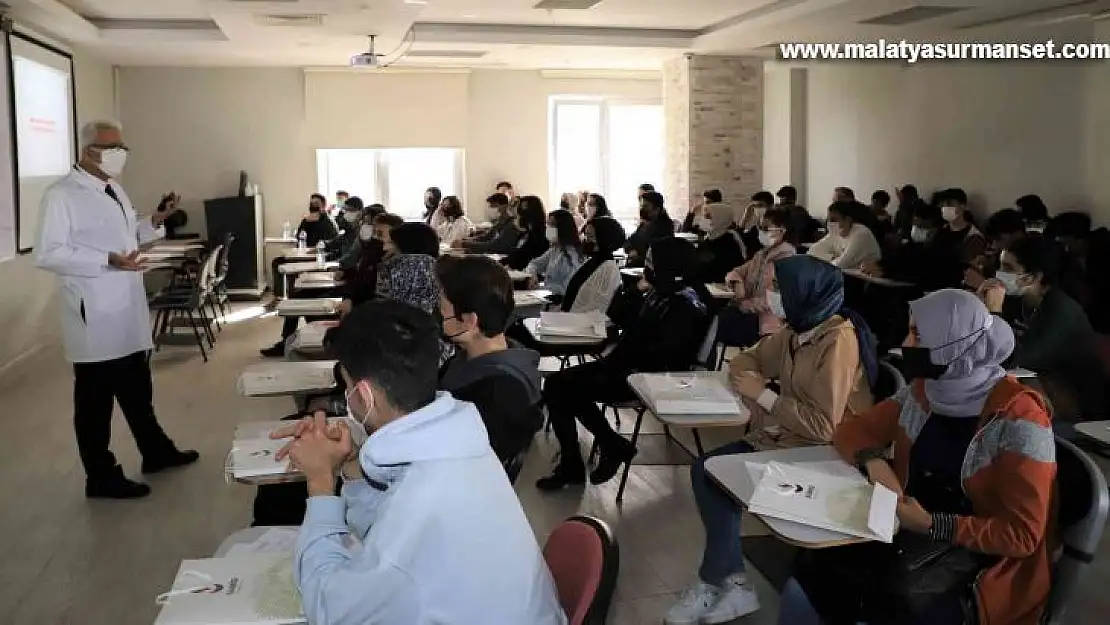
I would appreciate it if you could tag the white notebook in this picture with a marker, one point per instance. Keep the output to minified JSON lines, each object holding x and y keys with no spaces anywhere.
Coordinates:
{"x":671,"y":393}
{"x":823,"y":500}
{"x":585,"y":325}
{"x":254,"y":589}
{"x":256,"y":457}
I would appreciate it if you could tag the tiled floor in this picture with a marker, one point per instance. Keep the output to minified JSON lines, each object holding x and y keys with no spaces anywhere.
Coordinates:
{"x":64,"y":560}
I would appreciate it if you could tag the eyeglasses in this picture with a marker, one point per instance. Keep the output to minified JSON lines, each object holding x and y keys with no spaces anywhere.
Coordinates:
{"x":111,"y":146}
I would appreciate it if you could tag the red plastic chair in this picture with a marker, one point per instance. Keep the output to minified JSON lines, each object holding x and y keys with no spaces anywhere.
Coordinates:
{"x":584,"y":558}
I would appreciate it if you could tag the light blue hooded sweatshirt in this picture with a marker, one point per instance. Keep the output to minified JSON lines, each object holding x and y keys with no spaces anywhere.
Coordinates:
{"x":444,"y":539}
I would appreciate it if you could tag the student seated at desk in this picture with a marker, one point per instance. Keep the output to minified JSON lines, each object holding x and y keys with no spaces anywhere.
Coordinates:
{"x":723,"y":246}
{"x":454,"y":226}
{"x":596,"y":206}
{"x":532,"y":218}
{"x":570,"y":203}
{"x":1001,"y":229}
{"x":655,"y":224}
{"x":556,"y":266}
{"x":1054,"y":337}
{"x":316,"y":225}
{"x":500,"y":378}
{"x":849,"y":243}
{"x":751,"y":221}
{"x":959,"y":234}
{"x":408,"y":271}
{"x":921,"y":261}
{"x":974,"y":464}
{"x":750,"y":317}
{"x":499,"y":239}
{"x":444,"y":538}
{"x":593,"y":285}
{"x":698,"y":220}
{"x":664,"y":336}
{"x":825,"y":363}
{"x":361,"y":283}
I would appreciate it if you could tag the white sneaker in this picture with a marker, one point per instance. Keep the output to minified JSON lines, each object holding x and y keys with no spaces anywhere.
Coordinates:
{"x":696,"y":601}
{"x":736,"y":599}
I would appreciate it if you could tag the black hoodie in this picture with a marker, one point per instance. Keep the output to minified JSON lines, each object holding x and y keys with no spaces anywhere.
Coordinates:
{"x":505,"y":387}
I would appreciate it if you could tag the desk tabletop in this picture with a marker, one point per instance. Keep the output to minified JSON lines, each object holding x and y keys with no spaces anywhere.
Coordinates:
{"x":308,"y":306}
{"x":518,"y":276}
{"x":638,"y":383}
{"x":533,"y":326}
{"x":307,"y":267}
{"x":293,"y":253}
{"x":287,"y":378}
{"x":176,"y":246}
{"x":634,"y":272}
{"x":303,"y":284}
{"x":531,"y":297}
{"x":877,"y":280}
{"x":280,"y":240}
{"x":1098,"y":430}
{"x":731,"y":473}
{"x":689,"y":237}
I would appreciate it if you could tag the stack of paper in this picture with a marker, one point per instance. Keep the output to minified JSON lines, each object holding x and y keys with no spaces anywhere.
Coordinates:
{"x":256,"y":457}
{"x":291,"y":377}
{"x":579,"y":325}
{"x":678,"y":393}
{"x":821,"y":499}
{"x":254,"y":589}
{"x":307,"y":306}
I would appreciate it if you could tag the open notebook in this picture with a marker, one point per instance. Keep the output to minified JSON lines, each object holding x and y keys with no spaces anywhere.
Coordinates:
{"x":255,"y":589}
{"x":822,"y":499}
{"x":680,"y":393}
{"x":580,"y":325}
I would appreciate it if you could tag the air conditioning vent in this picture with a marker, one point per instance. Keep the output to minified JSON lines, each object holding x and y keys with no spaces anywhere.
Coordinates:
{"x":290,"y":20}
{"x":567,"y":5}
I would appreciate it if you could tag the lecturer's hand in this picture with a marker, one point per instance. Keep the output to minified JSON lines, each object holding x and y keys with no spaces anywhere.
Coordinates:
{"x":125,"y":262}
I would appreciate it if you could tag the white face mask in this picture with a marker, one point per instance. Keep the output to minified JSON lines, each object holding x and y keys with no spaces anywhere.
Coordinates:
{"x":552,"y":235}
{"x":765,"y":238}
{"x":112,"y":161}
{"x":948,"y":212}
{"x":919,"y":234}
{"x":365,"y":232}
{"x":1010,"y":281}
{"x":774,"y":302}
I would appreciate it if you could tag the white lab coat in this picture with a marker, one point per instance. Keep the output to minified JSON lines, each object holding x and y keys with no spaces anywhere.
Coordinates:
{"x":104,"y":310}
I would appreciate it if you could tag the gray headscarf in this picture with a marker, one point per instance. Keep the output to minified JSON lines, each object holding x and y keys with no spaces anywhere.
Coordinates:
{"x":962,"y":333}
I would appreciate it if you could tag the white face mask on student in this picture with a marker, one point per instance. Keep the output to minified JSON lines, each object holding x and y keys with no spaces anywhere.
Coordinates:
{"x":948,"y":213}
{"x":919,"y":234}
{"x":774,"y":302}
{"x":1011,"y":281}
{"x":365,"y":232}
{"x":765,"y":238}
{"x":552,"y":235}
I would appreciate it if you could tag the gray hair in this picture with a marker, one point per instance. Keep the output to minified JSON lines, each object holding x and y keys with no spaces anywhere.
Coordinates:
{"x":90,"y":130}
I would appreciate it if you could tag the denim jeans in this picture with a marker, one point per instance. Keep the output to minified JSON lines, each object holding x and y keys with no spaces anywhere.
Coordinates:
{"x":795,"y":608}
{"x":720,"y":516}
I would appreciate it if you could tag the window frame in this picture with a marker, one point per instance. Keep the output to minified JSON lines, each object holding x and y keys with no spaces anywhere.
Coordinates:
{"x":381,"y":174}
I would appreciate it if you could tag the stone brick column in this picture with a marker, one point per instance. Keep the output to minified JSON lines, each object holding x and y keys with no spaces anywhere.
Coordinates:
{"x":713,"y":107}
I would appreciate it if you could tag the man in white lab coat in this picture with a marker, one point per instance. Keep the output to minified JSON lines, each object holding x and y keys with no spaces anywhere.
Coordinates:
{"x":89,"y":237}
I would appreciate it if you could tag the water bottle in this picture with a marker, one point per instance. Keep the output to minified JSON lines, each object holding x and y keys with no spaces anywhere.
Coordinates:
{"x":302,"y":241}
{"x":320,"y":255}
{"x":286,"y":231}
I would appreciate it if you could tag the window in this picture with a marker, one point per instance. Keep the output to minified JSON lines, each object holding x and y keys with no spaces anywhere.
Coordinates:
{"x":395,"y":177}
{"x":607,"y":146}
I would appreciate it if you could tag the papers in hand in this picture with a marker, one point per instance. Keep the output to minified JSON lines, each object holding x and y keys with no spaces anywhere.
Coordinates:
{"x":823,"y":499}
{"x":254,"y":589}
{"x":589,"y":325}
{"x":680,"y":393}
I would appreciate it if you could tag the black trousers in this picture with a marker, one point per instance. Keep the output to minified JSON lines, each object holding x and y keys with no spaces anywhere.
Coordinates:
{"x":573,"y":394}
{"x":127,"y":381}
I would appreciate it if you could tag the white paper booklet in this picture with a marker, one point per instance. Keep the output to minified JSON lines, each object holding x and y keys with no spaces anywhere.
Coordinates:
{"x":255,"y":589}
{"x":256,"y":457}
{"x":830,"y":502}
{"x":671,"y":393}
{"x":307,"y":306}
{"x":289,"y":377}
{"x":586,"y":325}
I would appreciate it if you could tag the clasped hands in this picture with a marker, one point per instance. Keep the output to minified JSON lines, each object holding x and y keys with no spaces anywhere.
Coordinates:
{"x":319,"y":450}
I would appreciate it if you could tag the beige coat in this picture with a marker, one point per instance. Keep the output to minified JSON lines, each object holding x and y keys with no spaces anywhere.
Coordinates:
{"x":821,"y":383}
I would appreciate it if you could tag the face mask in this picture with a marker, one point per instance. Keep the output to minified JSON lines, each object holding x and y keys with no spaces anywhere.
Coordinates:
{"x":949,"y":213}
{"x":918,"y":363}
{"x":1010,"y":281}
{"x":350,"y":412}
{"x":113,"y":161}
{"x":765,"y":238}
{"x":552,"y":234}
{"x":919,"y":234}
{"x":774,"y":302}
{"x":365,"y":233}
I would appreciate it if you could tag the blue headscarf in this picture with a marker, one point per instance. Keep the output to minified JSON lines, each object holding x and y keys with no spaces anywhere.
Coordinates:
{"x":812,"y":291}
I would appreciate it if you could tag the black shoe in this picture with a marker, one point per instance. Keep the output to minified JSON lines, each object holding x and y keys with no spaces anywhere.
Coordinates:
{"x":277,"y":351}
{"x":561,"y":478}
{"x":169,"y":461}
{"x":115,"y":486}
{"x":610,"y":461}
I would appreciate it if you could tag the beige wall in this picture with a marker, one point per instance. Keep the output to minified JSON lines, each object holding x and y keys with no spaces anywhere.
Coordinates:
{"x":1000,"y":130}
{"x":28,"y":313}
{"x":193,"y":129}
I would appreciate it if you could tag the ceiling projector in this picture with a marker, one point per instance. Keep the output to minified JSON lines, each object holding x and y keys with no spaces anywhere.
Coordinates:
{"x":368,"y":58}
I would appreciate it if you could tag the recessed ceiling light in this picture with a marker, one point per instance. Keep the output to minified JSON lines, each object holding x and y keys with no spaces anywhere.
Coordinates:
{"x":469,"y":16}
{"x":417,"y":2}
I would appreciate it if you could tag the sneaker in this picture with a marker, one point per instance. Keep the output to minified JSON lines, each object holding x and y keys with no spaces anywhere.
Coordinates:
{"x":276,"y":351}
{"x":697,"y":600}
{"x":115,"y":485}
{"x":737,"y":598}
{"x":170,"y":461}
